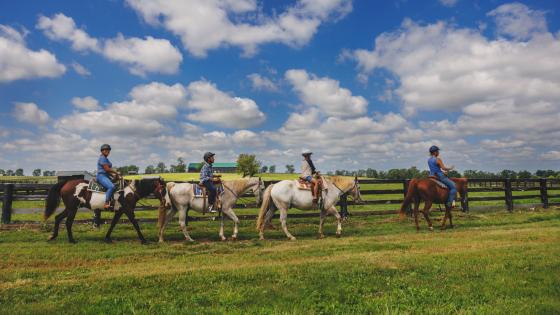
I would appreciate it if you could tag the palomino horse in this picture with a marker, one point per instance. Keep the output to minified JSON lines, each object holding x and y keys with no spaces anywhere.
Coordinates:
{"x":429,"y":191}
{"x":286,"y":194}
{"x":181,"y":198}
{"x":74,"y":194}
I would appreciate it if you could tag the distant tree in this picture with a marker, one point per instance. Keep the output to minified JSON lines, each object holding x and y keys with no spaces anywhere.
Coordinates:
{"x":133,"y":168}
{"x":272,"y":169}
{"x":181,"y":167}
{"x":37,"y":172}
{"x":264,"y":169}
{"x":161,"y":168}
{"x":524,"y":174}
{"x":371,"y":173}
{"x":46,"y":173}
{"x":290,"y":169}
{"x":123,"y":170}
{"x":508,"y":174}
{"x":2,"y":172}
{"x":150,"y":169}
{"x":10,"y":173}
{"x":19,"y":172}
{"x":247,"y":164}
{"x":453,"y":173}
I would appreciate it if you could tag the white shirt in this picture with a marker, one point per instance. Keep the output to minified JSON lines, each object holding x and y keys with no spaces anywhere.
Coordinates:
{"x":305,"y":169}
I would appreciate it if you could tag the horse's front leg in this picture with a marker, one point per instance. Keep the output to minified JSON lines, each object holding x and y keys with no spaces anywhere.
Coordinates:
{"x":168,"y":217}
{"x":322,"y":217}
{"x":116,"y":218}
{"x":283,"y":219}
{"x":229,"y":212}
{"x":132,"y":218}
{"x":183,"y":224}
{"x":333,"y":211}
{"x":222,"y":237}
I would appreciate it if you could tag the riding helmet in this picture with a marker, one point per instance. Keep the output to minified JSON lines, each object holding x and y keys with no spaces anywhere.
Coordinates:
{"x":208,"y":155}
{"x":105,"y":147}
{"x":306,"y":152}
{"x":434,"y":148}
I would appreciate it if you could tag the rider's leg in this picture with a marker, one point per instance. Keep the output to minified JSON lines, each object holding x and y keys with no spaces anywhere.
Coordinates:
{"x":107,"y":184}
{"x":452,"y":189}
{"x":211,"y":195}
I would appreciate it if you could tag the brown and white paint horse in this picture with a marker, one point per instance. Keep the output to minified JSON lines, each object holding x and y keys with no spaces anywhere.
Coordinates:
{"x":74,"y":194}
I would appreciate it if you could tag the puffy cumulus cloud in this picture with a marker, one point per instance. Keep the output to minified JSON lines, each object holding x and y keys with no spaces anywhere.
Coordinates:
{"x":518,"y":21}
{"x":18,"y":62}
{"x":444,"y":67}
{"x":30,"y":113}
{"x":106,"y":122}
{"x":326,"y":94}
{"x":258,"y":82}
{"x":88,"y":103}
{"x":551,"y":155}
{"x":141,"y":56}
{"x":152,"y":101}
{"x":207,"y":25}
{"x":81,"y":70}
{"x":449,"y":3}
{"x":212,"y":106}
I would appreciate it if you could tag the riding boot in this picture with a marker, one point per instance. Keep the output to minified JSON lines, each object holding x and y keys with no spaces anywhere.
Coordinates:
{"x":211,"y":208}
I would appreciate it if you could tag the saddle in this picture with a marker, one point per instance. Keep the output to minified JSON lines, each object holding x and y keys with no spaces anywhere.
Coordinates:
{"x":200,"y":191}
{"x":438,"y":182}
{"x":94,"y":186}
{"x":305,"y":185}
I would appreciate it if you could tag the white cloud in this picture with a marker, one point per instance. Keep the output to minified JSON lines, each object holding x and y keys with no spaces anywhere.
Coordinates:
{"x":81,"y":70}
{"x":213,"y":106}
{"x":88,"y":103}
{"x":152,"y":101}
{"x":141,"y":56}
{"x":443,"y":67}
{"x":207,"y":25}
{"x":551,"y":155}
{"x":30,"y":113}
{"x":449,"y":3}
{"x":518,"y":21}
{"x":258,"y":82}
{"x":18,"y":62}
{"x":326,"y":94}
{"x":106,"y":122}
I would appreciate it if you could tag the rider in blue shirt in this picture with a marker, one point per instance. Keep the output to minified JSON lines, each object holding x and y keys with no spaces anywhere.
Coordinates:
{"x":207,"y":179}
{"x":104,"y":173}
{"x":439,"y":170}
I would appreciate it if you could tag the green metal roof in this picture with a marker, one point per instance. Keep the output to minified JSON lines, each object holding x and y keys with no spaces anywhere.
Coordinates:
{"x":224,"y":164}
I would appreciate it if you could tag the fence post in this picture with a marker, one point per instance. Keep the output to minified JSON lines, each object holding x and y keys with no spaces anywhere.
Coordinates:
{"x":508,"y":194}
{"x":7,"y":205}
{"x":408,"y":209}
{"x":544,"y":193}
{"x":465,"y":201}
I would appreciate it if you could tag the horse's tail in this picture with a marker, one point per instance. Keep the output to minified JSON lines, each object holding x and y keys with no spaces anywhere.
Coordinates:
{"x":168,"y":199}
{"x":265,"y":207}
{"x":53,"y":199}
{"x":410,"y":194}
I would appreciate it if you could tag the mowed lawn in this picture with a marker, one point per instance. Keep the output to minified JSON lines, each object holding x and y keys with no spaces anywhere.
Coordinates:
{"x":492,"y":262}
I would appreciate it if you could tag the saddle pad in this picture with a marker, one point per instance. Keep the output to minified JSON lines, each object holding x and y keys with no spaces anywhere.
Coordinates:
{"x":439,"y":183}
{"x":199,"y":191}
{"x":303,"y":185}
{"x":96,"y":187}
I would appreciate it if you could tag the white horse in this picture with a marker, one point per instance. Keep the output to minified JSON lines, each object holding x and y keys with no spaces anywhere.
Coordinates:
{"x":286,"y":194}
{"x":180,"y":197}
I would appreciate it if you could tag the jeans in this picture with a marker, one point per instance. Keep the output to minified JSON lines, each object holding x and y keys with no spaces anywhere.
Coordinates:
{"x":451,"y":185}
{"x":107,"y":184}
{"x":211,"y":191}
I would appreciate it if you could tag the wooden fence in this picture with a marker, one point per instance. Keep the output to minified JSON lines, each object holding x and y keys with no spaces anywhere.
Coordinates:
{"x":10,"y":192}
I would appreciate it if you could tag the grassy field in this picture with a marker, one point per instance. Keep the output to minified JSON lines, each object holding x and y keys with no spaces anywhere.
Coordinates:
{"x":491,"y":263}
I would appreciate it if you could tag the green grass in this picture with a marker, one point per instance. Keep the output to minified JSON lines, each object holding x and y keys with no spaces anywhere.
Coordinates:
{"x":491,"y":263}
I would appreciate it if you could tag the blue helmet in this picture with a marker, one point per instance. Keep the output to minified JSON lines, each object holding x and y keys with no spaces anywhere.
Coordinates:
{"x":434,"y":148}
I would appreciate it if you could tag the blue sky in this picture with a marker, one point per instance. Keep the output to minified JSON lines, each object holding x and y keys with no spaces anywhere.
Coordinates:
{"x":361,"y":83}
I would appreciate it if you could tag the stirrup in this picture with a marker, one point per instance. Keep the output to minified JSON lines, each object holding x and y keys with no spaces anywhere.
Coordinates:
{"x":212,"y":210}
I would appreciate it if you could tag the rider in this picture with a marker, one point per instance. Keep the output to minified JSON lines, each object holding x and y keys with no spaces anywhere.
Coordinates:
{"x":104,"y":172}
{"x":309,"y":173}
{"x":439,"y":170}
{"x":207,"y":179}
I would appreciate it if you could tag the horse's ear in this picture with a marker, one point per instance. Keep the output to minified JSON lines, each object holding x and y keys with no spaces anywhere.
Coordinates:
{"x":356,"y":178}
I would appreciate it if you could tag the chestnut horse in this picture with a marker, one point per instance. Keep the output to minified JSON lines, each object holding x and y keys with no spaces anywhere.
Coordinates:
{"x":429,"y":191}
{"x":74,"y":194}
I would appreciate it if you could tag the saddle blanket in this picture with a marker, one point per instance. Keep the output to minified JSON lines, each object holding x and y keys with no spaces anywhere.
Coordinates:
{"x":94,"y":186}
{"x":199,"y":191}
{"x":304,"y":185}
{"x":439,"y":183}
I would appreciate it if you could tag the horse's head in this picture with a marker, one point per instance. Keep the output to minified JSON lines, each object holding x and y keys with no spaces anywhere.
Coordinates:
{"x":258,"y":191}
{"x":355,"y":191}
{"x":145,"y":186}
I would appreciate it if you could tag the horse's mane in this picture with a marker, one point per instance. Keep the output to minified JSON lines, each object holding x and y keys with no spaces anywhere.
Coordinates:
{"x":145,"y":186}
{"x":238,"y":185}
{"x":343,"y":183}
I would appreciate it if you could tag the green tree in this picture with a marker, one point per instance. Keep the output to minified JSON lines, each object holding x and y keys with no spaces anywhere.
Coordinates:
{"x":290,"y":169}
{"x":37,"y":172}
{"x":161,"y":168}
{"x":19,"y":172}
{"x":181,"y":167}
{"x":9,"y":173}
{"x":247,"y":164}
{"x":2,"y":172}
{"x":272,"y":169}
{"x":524,"y":174}
{"x":150,"y":169}
{"x":508,"y":174}
{"x":453,"y":173}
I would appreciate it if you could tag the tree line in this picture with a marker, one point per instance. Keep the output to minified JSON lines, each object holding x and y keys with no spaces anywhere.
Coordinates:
{"x":414,"y":172}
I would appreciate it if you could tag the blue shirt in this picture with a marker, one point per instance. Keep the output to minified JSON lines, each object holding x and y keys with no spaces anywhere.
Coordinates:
{"x":206,"y":173}
{"x":103,"y":160}
{"x":434,"y":167}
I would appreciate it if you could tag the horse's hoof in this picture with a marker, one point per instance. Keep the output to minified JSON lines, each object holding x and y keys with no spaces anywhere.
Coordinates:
{"x":451,"y":226}
{"x":321,"y":236}
{"x":234,"y":238}
{"x":161,"y":241}
{"x":431,"y":229}
{"x":190,"y":240}
{"x":72,"y":241}
{"x":144,"y":242}
{"x":338,"y":235}
{"x":261,"y":238}
{"x":51,"y":238}
{"x":223,"y":238}
{"x":292,"y":238}
{"x":108,"y":241}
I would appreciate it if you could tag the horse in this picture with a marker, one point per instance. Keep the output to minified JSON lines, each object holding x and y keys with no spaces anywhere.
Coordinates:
{"x":181,"y":198}
{"x":429,"y":191}
{"x":286,"y":194}
{"x":74,"y":194}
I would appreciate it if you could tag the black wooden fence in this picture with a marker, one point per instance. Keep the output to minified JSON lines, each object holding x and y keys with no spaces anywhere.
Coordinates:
{"x":10,"y":192}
